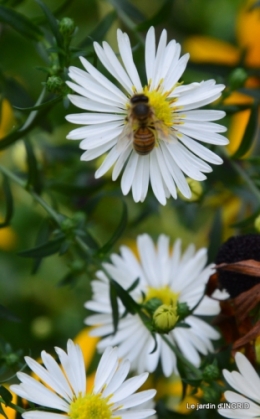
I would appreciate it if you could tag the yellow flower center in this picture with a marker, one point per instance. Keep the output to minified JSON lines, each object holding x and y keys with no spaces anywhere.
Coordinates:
{"x":91,"y":406}
{"x":161,"y":106}
{"x":164,"y":294}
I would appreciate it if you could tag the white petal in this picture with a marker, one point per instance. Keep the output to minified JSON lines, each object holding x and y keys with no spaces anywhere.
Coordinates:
{"x":135,"y":399}
{"x":90,"y":131}
{"x":103,"y":80}
{"x":92,"y":105}
{"x":165,"y":173}
{"x":157,"y":71}
{"x":129,"y":387}
{"x":106,"y":368}
{"x":136,"y":414}
{"x":107,"y":163}
{"x":118,"y":71}
{"x":210,"y":138}
{"x":97,"y":151}
{"x":129,"y":173}
{"x":35,"y":414}
{"x":121,"y":162}
{"x":101,"y":138}
{"x":150,"y":53}
{"x":173,"y":77}
{"x":200,"y":150}
{"x":93,"y":118}
{"x":176,"y":173}
{"x":127,"y":58}
{"x":203,"y":115}
{"x":156,"y":179}
{"x":118,"y":378}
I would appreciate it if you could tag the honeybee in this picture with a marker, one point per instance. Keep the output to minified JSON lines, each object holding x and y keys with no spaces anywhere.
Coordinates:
{"x":141,"y":116}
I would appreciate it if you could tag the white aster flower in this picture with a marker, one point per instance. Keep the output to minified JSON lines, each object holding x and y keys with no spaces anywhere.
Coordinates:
{"x":247,"y":383}
{"x":112,"y":396}
{"x":169,"y":277}
{"x":151,"y":132}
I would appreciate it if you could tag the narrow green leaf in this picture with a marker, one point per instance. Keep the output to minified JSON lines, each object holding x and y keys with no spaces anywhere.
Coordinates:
{"x":5,"y":394}
{"x":133,"y":285}
{"x":45,"y":249}
{"x":7,"y":314}
{"x":52,"y":22}
{"x":100,"y":30}
{"x":249,"y":134}
{"x":129,"y":303}
{"x":162,"y":15}
{"x":34,"y":176}
{"x":117,"y":233}
{"x":9,"y":203}
{"x":128,"y":9}
{"x":41,"y":106}
{"x":20,"y":23}
{"x":114,"y":305}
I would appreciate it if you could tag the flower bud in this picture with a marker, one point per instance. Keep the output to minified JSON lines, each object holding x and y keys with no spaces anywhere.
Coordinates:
{"x":165,"y":318}
{"x":55,"y":84}
{"x":66,"y":26}
{"x":196,"y":190}
{"x":237,"y":78}
{"x":210,"y":373}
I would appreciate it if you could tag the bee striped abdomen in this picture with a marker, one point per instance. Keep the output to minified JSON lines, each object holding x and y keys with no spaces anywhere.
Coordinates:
{"x":144,"y":140}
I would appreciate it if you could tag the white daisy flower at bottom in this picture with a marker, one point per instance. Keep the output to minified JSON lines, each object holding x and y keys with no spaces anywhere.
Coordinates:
{"x":247,"y":383}
{"x":112,"y":396}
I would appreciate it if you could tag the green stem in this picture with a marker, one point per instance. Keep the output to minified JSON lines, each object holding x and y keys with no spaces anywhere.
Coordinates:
{"x":37,"y":198}
{"x":179,"y":355}
{"x":82,"y":245}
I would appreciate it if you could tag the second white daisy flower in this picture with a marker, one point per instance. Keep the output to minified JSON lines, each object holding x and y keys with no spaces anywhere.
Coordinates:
{"x":168,"y":277}
{"x":153,"y":132}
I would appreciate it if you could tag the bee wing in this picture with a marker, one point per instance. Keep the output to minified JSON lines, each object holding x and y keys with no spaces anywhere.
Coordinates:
{"x":164,"y":133}
{"x":124,"y":139}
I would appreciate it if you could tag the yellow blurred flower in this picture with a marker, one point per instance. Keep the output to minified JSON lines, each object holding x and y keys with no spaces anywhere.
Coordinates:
{"x":6,"y":118}
{"x":205,"y":49}
{"x":248,"y":32}
{"x":8,"y":238}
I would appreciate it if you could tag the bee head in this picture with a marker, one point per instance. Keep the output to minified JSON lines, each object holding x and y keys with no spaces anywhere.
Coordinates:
{"x":140,"y":103}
